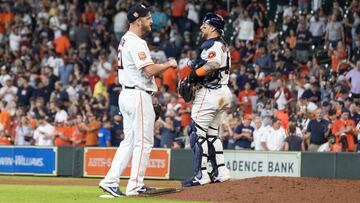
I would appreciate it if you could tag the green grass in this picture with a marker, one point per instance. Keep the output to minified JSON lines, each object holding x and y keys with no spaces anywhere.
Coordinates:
{"x":55,"y":193}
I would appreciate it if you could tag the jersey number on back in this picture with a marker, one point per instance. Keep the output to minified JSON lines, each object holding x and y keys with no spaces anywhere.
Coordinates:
{"x":121,"y":45}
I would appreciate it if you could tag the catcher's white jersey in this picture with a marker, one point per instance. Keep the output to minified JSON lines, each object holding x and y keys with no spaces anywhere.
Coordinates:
{"x":218,"y":53}
{"x":133,"y":55}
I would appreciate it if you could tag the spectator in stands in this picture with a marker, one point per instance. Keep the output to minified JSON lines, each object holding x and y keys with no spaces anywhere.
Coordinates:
{"x":79,"y":134}
{"x":313,"y":94}
{"x":353,"y":78}
{"x":245,"y":99}
{"x":113,"y":91}
{"x":344,"y":131}
{"x":45,"y":133}
{"x":303,"y":40}
{"x":5,"y":139}
{"x":334,"y":32}
{"x":116,"y":130}
{"x":104,"y":138}
{"x":282,"y":95}
{"x":264,"y":60}
{"x":166,"y":132}
{"x":274,"y":137}
{"x":92,"y":129}
{"x":259,"y":132}
{"x":61,"y":115}
{"x":25,"y":92}
{"x":5,"y":118}
{"x":103,"y":67}
{"x":354,"y":113}
{"x":100,"y":89}
{"x":317,"y":29}
{"x":63,"y":133}
{"x":267,"y":113}
{"x":8,"y":91}
{"x":244,"y":134}
{"x":59,"y":94}
{"x":292,"y":141}
{"x":24,"y":132}
{"x":317,"y":131}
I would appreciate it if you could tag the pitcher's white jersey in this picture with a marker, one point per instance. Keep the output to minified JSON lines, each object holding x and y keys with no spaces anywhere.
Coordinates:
{"x":133,"y":56}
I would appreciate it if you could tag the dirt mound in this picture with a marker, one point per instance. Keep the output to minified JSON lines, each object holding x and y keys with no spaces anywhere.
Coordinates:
{"x":273,"y":189}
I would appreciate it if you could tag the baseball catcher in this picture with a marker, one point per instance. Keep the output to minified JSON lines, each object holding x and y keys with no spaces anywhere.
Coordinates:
{"x":207,"y":87}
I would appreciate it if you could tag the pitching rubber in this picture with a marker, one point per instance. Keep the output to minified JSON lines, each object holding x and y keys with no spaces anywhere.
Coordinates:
{"x":158,"y":192}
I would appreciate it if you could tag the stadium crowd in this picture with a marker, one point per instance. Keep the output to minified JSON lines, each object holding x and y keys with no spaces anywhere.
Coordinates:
{"x":295,"y":72}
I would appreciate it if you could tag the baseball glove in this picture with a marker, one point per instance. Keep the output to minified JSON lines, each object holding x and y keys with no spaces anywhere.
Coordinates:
{"x":158,"y":111}
{"x":185,"y":89}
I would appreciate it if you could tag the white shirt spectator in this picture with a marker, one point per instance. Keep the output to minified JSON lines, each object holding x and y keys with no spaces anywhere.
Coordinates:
{"x":4,"y":78}
{"x":55,"y":25}
{"x":55,"y":63}
{"x":266,"y":115}
{"x":288,"y":12}
{"x":308,"y":107}
{"x":61,"y":116}
{"x":274,"y":139}
{"x":193,"y":13}
{"x":43,"y":15}
{"x":159,"y":56}
{"x":44,"y":135}
{"x":14,"y":41}
{"x":72,"y":92}
{"x":334,"y":30}
{"x":21,"y":133}
{"x":299,"y":132}
{"x":281,"y":99}
{"x":8,"y":93}
{"x":258,"y":136}
{"x":120,"y":22}
{"x":316,"y":4}
{"x":27,"y":19}
{"x":103,"y":69}
{"x":317,"y":28}
{"x":184,"y":62}
{"x":246,"y":31}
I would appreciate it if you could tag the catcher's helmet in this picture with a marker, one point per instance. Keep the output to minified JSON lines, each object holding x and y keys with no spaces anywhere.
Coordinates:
{"x":214,"y":20}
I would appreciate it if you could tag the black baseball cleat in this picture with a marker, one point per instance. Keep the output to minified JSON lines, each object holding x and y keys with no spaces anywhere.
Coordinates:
{"x":146,"y":190}
{"x":190,"y":182}
{"x":114,"y":191}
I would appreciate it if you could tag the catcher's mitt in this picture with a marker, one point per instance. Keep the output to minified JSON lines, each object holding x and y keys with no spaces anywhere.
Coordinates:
{"x":158,"y":111}
{"x":185,"y":89}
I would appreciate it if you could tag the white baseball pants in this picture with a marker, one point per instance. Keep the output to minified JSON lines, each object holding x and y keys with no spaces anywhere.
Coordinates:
{"x":207,"y":110}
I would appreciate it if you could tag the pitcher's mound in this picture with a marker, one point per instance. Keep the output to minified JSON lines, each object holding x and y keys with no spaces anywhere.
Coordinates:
{"x":273,"y":189}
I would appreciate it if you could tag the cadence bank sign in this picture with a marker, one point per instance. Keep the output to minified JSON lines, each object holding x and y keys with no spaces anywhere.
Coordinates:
{"x":246,"y":164}
{"x":97,"y":161}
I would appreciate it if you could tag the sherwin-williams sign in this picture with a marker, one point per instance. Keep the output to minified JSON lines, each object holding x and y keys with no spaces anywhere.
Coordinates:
{"x":97,"y":162}
{"x":246,"y":164}
{"x":28,"y":160}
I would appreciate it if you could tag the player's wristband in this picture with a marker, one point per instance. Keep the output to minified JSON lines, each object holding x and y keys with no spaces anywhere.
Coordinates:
{"x":201,"y":72}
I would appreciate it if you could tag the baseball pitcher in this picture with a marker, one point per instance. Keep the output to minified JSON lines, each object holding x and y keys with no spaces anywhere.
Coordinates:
{"x":136,"y":75}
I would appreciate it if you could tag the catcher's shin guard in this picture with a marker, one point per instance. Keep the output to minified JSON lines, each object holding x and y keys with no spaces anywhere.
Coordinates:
{"x":199,"y":148}
{"x":219,"y":171}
